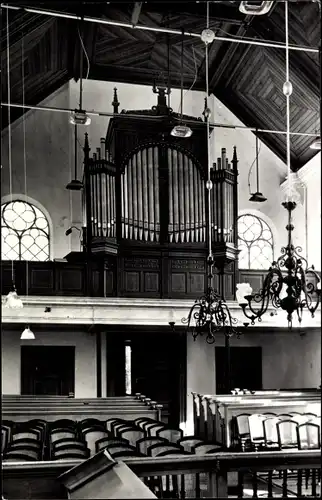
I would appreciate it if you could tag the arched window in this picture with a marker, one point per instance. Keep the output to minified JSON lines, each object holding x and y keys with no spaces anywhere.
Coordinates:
{"x":24,"y":232}
{"x":255,"y":242}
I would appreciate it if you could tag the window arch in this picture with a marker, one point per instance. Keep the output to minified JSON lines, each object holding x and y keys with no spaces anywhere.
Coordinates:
{"x":24,"y":232}
{"x":255,"y":242}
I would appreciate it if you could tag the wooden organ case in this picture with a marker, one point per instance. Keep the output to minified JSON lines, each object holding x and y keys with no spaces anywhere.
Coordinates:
{"x":146,"y":208}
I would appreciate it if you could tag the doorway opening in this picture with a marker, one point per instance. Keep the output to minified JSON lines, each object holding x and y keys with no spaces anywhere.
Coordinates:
{"x":245,"y":368}
{"x":48,"y":370}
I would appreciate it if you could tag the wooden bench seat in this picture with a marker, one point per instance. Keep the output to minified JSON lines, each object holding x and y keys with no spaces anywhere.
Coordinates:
{"x":214,"y":414}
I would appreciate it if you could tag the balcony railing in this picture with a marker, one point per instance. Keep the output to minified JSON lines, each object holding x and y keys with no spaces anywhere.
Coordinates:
{"x":258,"y":475}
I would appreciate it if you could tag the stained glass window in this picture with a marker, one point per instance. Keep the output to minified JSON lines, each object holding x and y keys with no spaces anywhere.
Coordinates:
{"x":24,"y":232}
{"x":255,"y":242}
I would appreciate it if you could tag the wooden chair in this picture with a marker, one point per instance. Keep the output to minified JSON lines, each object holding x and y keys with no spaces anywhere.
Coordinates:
{"x":155,"y":449}
{"x":270,"y":433}
{"x":187,"y":442}
{"x":152,"y":430}
{"x":308,"y":436}
{"x":63,"y":423}
{"x":132,"y":435}
{"x":101,"y":444}
{"x":115,"y":448}
{"x":18,"y":457}
{"x":71,"y":454}
{"x":287,"y":434}
{"x":256,"y":430}
{"x":172,"y":435}
{"x":90,"y":423}
{"x":243,"y":434}
{"x":26,"y":433}
{"x":58,"y":434}
{"x":109,"y":422}
{"x":204,"y":447}
{"x":144,"y":443}
{"x":91,"y":436}
{"x":23,"y":450}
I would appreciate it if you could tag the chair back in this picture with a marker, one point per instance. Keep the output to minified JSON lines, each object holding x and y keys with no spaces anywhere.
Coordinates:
{"x":101,"y":444}
{"x":172,"y":435}
{"x":91,"y":437}
{"x":270,"y":431}
{"x":287,"y":434}
{"x":256,"y":429}
{"x":308,"y":436}
{"x":132,"y":435}
{"x":152,"y":430}
{"x":202,"y":448}
{"x":157,"y":448}
{"x":188,"y":442}
{"x":144,"y":443}
{"x":242,"y":424}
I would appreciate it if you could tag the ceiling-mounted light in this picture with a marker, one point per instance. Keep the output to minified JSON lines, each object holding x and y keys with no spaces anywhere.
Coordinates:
{"x":27,"y":334}
{"x":181,"y":131}
{"x":316,"y":144}
{"x":79,"y":117}
{"x":255,"y":8}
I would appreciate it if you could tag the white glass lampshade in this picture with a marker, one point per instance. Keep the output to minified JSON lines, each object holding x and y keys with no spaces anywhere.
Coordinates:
{"x":12,"y":301}
{"x":27,"y":334}
{"x":181,"y":131}
{"x":318,"y":285}
{"x":242,"y":290}
{"x":79,"y":117}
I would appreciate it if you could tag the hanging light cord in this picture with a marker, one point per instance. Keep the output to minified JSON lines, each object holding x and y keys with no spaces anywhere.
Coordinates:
{"x":24,"y":143}
{"x":288,"y":139}
{"x":208,"y":140}
{"x":9,"y":137}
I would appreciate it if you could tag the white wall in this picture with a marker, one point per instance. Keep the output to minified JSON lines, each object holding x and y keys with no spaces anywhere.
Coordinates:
{"x":85,"y":358}
{"x":310,"y":175}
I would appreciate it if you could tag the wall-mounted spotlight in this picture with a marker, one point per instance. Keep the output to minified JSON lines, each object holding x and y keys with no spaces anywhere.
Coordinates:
{"x":70,"y":230}
{"x":47,"y":309}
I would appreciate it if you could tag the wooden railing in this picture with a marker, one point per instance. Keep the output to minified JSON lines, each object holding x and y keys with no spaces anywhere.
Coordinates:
{"x":265,"y":474}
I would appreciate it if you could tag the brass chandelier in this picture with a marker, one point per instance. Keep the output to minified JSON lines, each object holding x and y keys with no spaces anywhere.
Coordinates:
{"x":290,"y":283}
{"x":210,"y":313}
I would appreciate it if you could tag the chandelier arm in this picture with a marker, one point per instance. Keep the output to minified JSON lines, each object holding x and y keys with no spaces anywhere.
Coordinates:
{"x":309,"y":289}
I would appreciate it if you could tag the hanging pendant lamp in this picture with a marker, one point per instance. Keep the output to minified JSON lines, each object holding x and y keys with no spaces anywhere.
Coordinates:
{"x":75,"y":184}
{"x":257,"y":197}
{"x":27,"y":334}
{"x":181,"y":130}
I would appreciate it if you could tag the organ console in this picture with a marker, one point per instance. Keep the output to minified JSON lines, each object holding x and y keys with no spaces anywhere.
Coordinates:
{"x":146,"y":205}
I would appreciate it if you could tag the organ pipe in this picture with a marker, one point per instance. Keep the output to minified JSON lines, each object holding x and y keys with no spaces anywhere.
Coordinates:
{"x":100,"y":184}
{"x":224,"y":199}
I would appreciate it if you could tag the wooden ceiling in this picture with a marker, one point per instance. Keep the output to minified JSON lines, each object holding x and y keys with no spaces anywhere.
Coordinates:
{"x":247,"y":79}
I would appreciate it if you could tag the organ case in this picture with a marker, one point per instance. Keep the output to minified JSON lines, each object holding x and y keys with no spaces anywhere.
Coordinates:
{"x":146,"y":210}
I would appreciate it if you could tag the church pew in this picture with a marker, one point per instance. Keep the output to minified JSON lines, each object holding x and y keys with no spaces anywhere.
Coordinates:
{"x":228,"y":411}
{"x":211,"y":418}
{"x":207,"y":428}
{"x":101,"y":413}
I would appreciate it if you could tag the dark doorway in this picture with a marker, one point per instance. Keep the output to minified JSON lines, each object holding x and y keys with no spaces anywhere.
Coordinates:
{"x":245,"y":368}
{"x":47,"y":370}
{"x":159,"y":371}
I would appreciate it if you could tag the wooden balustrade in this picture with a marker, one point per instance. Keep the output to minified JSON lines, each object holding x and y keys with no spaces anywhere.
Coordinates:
{"x":211,"y":476}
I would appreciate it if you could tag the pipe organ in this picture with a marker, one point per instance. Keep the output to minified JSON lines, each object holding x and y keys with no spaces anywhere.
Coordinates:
{"x":100,"y":199}
{"x":146,"y":205}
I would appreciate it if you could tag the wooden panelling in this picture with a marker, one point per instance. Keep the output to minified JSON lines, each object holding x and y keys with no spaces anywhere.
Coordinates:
{"x":138,"y":277}
{"x":71,"y":280}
